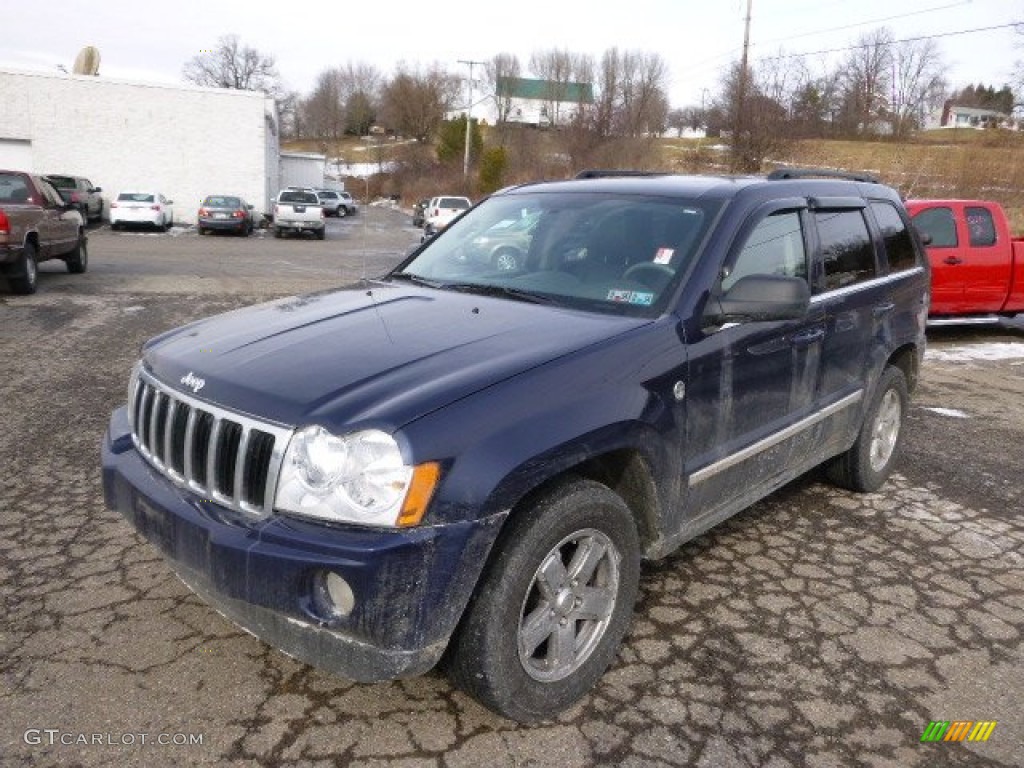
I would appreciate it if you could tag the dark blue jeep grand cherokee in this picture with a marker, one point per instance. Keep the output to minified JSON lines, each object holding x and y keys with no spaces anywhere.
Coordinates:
{"x":470,"y":455}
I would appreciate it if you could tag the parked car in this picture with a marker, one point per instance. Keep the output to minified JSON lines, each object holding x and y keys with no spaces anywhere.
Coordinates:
{"x":419,"y":209}
{"x":81,"y":192}
{"x":349,"y":205}
{"x":504,"y":244}
{"x":458,"y":461}
{"x":225,"y":213}
{"x":299,"y":210}
{"x":441,"y":211}
{"x":331,"y":202}
{"x":36,"y":224}
{"x":149,"y":209}
{"x":977,"y":264}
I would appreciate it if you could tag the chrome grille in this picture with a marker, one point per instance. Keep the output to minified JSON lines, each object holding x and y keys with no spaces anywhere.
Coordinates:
{"x":227,"y":457}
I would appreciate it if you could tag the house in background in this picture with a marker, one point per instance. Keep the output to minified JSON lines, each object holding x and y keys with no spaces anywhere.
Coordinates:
{"x":955,"y":116}
{"x":541,"y":103}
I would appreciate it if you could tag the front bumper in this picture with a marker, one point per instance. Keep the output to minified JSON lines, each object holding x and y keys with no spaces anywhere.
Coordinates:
{"x":410,"y":586}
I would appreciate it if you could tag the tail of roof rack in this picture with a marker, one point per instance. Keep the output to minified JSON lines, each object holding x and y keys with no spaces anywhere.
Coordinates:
{"x":611,"y":173}
{"x":820,"y":173}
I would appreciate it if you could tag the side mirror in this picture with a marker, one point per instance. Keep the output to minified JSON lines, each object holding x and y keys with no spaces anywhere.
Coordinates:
{"x":170,"y":202}
{"x":96,"y":189}
{"x":250,"y":207}
{"x":760,"y":298}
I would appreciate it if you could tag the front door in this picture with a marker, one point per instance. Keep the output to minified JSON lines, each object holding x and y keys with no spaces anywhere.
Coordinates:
{"x":752,"y":385}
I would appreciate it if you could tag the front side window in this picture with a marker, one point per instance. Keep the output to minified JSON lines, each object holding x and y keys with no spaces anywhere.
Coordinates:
{"x":899,"y":247}
{"x":981,"y":230}
{"x":593,"y":251}
{"x":939,"y":225}
{"x":847,"y":253}
{"x":774,"y":247}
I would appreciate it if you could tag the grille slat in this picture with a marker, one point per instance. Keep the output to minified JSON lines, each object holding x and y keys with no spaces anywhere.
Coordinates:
{"x":231,"y":458}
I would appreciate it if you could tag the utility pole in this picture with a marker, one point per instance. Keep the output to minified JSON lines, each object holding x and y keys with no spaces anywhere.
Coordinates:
{"x":741,"y":97}
{"x":469,"y":115}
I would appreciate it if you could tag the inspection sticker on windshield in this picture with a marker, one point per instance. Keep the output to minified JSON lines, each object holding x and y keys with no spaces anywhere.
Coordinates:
{"x":664,"y":255}
{"x":631,"y":297}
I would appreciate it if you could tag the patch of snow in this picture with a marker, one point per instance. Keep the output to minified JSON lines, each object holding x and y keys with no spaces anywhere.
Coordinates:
{"x":948,"y":412}
{"x":1011,"y":350}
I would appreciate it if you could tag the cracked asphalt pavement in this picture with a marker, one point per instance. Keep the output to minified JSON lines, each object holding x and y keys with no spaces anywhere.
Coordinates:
{"x":818,"y":628}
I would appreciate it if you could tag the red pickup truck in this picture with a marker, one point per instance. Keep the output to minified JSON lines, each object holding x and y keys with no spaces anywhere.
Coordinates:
{"x":977,"y":266}
{"x":37,"y":224}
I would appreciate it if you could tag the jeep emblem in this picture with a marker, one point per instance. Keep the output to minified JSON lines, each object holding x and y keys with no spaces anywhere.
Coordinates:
{"x":193,"y":382}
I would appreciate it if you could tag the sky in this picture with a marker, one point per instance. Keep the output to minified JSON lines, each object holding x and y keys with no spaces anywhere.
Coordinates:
{"x":696,"y":38}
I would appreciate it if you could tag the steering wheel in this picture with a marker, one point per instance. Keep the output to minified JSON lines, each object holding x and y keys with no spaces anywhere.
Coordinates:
{"x":659,"y":274}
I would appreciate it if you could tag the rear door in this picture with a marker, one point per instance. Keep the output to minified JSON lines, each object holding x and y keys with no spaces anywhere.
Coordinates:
{"x":855,"y":302}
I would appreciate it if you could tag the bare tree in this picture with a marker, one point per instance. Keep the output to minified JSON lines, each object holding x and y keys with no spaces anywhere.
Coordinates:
{"x":500,"y":69}
{"x":643,"y":106}
{"x":325,"y":109}
{"x":918,"y":84}
{"x":865,"y":81}
{"x":414,"y":102}
{"x":556,"y":67}
{"x":232,"y":65}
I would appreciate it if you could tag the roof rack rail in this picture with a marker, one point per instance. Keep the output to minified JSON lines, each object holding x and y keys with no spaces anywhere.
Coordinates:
{"x":601,"y":173}
{"x":820,"y":173}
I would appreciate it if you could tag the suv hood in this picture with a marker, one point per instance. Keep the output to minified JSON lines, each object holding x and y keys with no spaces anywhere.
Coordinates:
{"x":375,"y":354}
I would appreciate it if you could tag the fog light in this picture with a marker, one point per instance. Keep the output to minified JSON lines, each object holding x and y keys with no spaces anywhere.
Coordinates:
{"x":333,"y":594}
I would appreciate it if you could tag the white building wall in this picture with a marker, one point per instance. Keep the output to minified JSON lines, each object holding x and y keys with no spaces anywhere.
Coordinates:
{"x":186,"y":142}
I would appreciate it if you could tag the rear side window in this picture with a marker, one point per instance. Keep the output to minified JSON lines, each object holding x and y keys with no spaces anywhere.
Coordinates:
{"x":939,"y":225}
{"x":980,"y":228}
{"x":899,"y":248}
{"x":775,"y":247}
{"x":846,"y":248}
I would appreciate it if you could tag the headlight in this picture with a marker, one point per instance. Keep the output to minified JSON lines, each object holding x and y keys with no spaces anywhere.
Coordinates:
{"x":356,"y":478}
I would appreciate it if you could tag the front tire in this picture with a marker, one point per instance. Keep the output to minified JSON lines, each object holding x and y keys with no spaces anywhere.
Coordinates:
{"x":553,"y":605}
{"x":78,"y":260}
{"x":868,"y":464}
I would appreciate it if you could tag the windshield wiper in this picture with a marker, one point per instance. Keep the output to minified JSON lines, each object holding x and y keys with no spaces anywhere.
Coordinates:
{"x":485,"y":289}
{"x":414,"y":278}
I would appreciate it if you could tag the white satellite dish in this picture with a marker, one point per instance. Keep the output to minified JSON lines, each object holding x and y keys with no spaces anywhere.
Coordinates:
{"x":87,"y":62}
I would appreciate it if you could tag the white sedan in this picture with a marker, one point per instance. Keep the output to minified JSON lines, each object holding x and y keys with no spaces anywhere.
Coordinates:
{"x":150,"y":209}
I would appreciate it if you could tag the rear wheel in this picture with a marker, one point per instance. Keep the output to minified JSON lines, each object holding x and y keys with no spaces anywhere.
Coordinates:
{"x":28,"y":281}
{"x":868,"y":464}
{"x":552,"y":606}
{"x":277,"y":232}
{"x":78,"y":260}
{"x":321,"y":233}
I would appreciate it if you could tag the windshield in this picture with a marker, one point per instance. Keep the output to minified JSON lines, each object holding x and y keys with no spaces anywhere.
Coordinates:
{"x":307,"y":198}
{"x":611,"y":253}
{"x":222,"y":202}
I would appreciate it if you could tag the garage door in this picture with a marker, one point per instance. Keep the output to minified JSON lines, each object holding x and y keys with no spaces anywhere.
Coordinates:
{"x":16,"y":154}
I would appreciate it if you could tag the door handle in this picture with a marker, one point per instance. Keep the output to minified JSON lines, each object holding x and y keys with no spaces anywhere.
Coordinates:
{"x":804,"y":338}
{"x":952,"y":260}
{"x":883,"y":309}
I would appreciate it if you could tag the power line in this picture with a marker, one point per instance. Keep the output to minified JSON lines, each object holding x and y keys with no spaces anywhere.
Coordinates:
{"x":892,"y":42}
{"x":866,"y":23}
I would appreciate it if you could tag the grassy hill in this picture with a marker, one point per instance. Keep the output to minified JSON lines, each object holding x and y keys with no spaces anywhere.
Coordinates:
{"x":949,"y":163}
